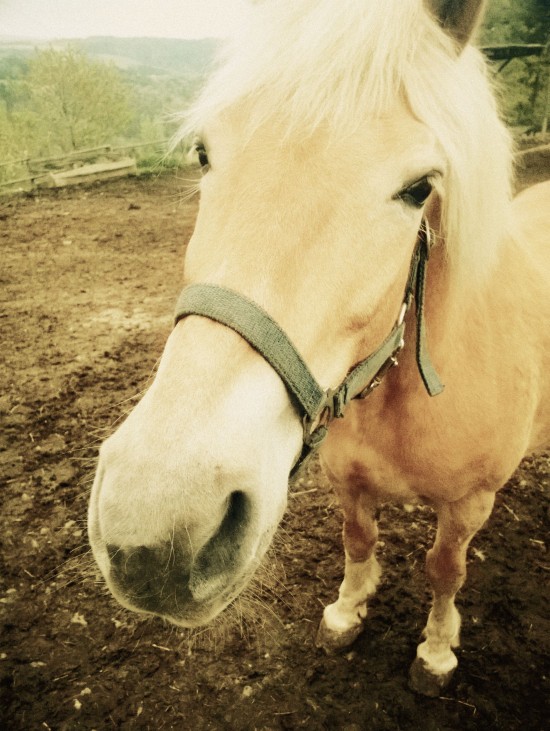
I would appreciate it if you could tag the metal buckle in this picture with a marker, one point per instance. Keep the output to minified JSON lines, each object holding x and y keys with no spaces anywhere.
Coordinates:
{"x":377,"y":380}
{"x":315,"y":430}
{"x":313,"y":436}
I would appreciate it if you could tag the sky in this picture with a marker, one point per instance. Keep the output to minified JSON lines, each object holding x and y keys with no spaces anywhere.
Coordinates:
{"x":50,"y":19}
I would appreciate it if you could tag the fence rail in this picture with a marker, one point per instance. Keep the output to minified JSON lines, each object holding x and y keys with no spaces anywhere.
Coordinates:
{"x":513,"y":50}
{"x":43,"y":170}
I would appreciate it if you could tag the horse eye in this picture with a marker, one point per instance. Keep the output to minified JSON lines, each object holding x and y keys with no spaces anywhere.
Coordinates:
{"x":417,"y":193}
{"x":202,"y":155}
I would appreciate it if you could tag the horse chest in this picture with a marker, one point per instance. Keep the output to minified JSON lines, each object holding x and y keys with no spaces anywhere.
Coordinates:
{"x":406,"y":454}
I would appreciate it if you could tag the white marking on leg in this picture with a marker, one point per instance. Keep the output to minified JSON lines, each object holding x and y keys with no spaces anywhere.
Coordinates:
{"x":446,"y":566}
{"x":442,"y":632}
{"x":360,"y":581}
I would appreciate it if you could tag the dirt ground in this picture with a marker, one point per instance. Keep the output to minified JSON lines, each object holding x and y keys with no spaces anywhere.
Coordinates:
{"x":89,"y":280}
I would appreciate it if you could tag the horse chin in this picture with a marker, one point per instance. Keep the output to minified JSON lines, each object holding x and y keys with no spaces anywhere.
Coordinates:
{"x":182,"y":608}
{"x":192,"y":614}
{"x":199,"y":614}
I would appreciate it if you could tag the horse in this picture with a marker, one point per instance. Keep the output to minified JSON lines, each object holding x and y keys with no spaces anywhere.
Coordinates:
{"x":356,"y":213}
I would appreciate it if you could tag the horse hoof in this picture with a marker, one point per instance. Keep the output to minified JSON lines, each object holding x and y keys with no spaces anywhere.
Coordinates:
{"x":332,"y":641}
{"x":423,"y":681}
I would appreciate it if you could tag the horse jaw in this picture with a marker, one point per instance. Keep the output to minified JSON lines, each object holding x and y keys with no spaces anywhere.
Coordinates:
{"x":190,"y":489}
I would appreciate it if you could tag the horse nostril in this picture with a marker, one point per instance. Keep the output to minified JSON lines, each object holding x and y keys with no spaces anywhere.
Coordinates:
{"x":236,"y":511}
{"x":220,"y":555}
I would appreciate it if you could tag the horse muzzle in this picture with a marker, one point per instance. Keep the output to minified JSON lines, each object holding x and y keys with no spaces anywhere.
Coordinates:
{"x":190,"y":488}
{"x":175,"y":578}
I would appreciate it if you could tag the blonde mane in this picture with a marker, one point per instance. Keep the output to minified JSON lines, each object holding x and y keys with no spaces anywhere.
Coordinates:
{"x":343,"y":63}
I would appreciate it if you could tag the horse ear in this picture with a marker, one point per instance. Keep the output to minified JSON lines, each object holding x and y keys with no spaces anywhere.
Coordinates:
{"x":459,"y":18}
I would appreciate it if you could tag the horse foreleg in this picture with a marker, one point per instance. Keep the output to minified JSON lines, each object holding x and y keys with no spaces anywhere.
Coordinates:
{"x":446,"y":568}
{"x":343,"y":620}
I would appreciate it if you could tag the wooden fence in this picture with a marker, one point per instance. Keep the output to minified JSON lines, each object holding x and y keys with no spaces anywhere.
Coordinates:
{"x":506,"y":53}
{"x":94,"y":163}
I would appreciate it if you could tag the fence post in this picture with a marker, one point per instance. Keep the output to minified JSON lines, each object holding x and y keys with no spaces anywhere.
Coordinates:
{"x":546,"y":112}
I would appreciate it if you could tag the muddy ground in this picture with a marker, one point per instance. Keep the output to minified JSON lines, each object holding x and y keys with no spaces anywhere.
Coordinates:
{"x":89,"y":279}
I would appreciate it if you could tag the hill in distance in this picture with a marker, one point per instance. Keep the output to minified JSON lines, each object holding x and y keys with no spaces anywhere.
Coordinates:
{"x":150,"y":55}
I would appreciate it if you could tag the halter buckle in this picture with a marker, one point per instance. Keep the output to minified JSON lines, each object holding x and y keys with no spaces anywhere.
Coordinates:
{"x":316,"y":428}
{"x":392,"y":362}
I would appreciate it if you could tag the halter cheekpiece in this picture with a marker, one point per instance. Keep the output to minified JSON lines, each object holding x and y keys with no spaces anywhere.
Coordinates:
{"x":316,"y":406}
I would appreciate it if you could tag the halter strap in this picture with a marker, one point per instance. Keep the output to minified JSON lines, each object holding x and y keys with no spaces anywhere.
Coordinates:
{"x":259,"y":329}
{"x":317,"y":406}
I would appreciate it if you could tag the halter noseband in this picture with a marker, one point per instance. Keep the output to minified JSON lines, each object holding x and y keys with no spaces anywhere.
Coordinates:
{"x":317,"y":406}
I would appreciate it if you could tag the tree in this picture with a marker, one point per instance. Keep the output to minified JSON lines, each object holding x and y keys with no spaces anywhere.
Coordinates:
{"x":517,"y":21}
{"x":12,"y":71}
{"x":525,"y":80}
{"x":79,"y":102}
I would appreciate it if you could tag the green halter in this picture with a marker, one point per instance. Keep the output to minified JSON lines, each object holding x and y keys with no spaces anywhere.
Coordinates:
{"x":316,"y":406}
